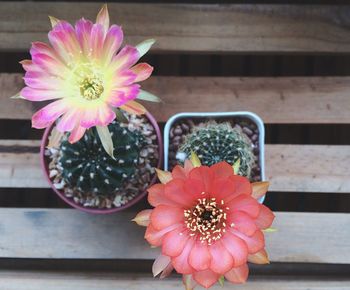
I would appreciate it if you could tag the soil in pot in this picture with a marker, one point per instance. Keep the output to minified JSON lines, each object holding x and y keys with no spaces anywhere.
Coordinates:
{"x":90,"y":178}
{"x":184,"y":127}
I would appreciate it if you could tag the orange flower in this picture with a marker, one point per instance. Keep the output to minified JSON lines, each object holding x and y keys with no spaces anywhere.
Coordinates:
{"x":208,"y":223}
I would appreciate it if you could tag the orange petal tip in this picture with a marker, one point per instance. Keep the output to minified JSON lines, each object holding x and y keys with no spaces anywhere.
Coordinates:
{"x":260,"y":257}
{"x":260,"y":188}
{"x":164,"y":176}
{"x":143,"y":218}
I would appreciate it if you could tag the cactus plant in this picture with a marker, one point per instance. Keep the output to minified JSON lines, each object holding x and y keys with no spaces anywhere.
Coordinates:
{"x":214,"y":142}
{"x":88,"y":168}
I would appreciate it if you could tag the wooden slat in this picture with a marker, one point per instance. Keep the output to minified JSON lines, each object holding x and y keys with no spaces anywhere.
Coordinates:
{"x":68,"y":233}
{"x":276,"y":100}
{"x":308,"y":168}
{"x":221,"y":28}
{"x":295,"y":168}
{"x":24,"y":280}
{"x":20,"y":168}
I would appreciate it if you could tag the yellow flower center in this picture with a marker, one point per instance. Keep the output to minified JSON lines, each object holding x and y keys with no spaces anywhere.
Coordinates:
{"x":91,"y":88}
{"x":208,"y":219}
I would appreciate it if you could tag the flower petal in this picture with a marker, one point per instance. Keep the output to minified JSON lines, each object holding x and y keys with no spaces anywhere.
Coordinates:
{"x":76,"y":134}
{"x":122,"y":82}
{"x":242,"y":186}
{"x":28,"y":65}
{"x":155,"y":237}
{"x":163,"y":176}
{"x":195,"y":189}
{"x":126,"y":58}
{"x":260,"y":188}
{"x":116,"y":98}
{"x":221,"y":170}
{"x":200,"y":257}
{"x":175,"y":191}
{"x":238,"y":275}
{"x":101,"y":115}
{"x":160,"y":263}
{"x":180,"y":262}
{"x":142,"y":70}
{"x":47,"y":115}
{"x":236,"y":247}
{"x":156,"y":196}
{"x":50,"y":65}
{"x":221,"y":259}
{"x":206,"y":278}
{"x":143,"y":217}
{"x":112,"y":43}
{"x":167,"y":271}
{"x":246,"y":204}
{"x":103,"y":17}
{"x":96,"y":41}
{"x":145,"y":46}
{"x":164,"y":216}
{"x":174,"y":242}
{"x":260,"y":258}
{"x":121,"y":95}
{"x":83,"y":29}
{"x":179,"y":172}
{"x":43,"y":81}
{"x":133,"y":107}
{"x":255,"y":243}
{"x":64,"y":40}
{"x":242,"y":222}
{"x":188,"y":166}
{"x":223,"y":189}
{"x":38,"y":95}
{"x":54,"y":21}
{"x":265,"y":217}
{"x":42,"y":48}
{"x":204,"y":174}
{"x":69,"y":120}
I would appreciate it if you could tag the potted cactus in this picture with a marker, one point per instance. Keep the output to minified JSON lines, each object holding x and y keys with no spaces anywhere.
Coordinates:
{"x":232,"y":137}
{"x":87,"y":178}
{"x":100,"y":146}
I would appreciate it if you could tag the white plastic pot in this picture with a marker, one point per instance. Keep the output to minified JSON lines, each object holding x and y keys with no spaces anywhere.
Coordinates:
{"x":216,"y":116}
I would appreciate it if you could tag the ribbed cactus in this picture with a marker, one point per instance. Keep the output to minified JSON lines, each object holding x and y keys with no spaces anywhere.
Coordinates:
{"x":87,"y":166}
{"x":214,"y":142}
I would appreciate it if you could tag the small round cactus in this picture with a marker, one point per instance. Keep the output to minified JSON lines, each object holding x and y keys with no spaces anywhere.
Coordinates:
{"x":214,"y":142}
{"x":87,"y":167}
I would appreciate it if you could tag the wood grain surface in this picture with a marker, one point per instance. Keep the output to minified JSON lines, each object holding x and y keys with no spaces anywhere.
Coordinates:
{"x":293,"y":168}
{"x":193,"y":28}
{"x":68,"y":233}
{"x":277,"y":100}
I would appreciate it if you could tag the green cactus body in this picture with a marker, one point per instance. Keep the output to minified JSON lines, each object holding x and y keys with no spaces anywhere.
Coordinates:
{"x":88,"y":168}
{"x":214,"y":142}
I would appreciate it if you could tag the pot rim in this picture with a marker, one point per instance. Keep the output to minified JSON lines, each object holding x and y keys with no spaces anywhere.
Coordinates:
{"x":69,"y":201}
{"x":250,"y":115}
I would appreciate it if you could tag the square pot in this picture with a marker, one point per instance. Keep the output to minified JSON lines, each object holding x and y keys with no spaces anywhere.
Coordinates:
{"x":219,"y":117}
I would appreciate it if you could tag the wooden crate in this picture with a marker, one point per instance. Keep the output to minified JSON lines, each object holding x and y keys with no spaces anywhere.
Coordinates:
{"x":46,"y":245}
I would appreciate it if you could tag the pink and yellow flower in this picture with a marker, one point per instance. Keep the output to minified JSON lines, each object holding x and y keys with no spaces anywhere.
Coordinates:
{"x":208,"y":223}
{"x":87,"y":74}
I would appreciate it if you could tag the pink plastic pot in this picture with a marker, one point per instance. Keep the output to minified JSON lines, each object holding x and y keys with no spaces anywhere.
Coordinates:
{"x":44,"y":165}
